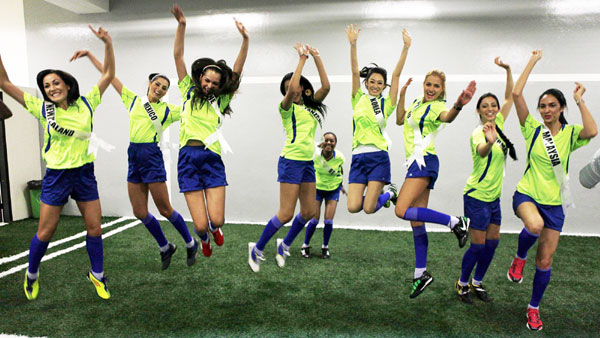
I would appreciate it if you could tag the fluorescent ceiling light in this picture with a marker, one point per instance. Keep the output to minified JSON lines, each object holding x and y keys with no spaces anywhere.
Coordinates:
{"x":570,"y":7}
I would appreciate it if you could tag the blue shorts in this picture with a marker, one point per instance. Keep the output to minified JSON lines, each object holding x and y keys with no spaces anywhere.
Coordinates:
{"x":329,"y":195}
{"x":80,"y":183}
{"x":295,"y":172}
{"x":482,"y":213}
{"x":146,"y":163}
{"x":431,"y":169}
{"x":553,"y":215}
{"x":199,"y":168}
{"x":374,"y":166}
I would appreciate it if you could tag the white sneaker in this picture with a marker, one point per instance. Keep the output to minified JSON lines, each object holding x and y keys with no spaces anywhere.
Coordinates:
{"x":254,"y":259}
{"x":281,"y":254}
{"x":393,"y":189}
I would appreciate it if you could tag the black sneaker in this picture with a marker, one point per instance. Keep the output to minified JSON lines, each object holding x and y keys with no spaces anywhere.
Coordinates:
{"x":325,"y":253}
{"x":461,"y":230}
{"x":305,"y":252}
{"x":165,"y":257}
{"x":464,"y":293}
{"x":480,"y":292}
{"x":191,"y":253}
{"x":419,"y":284}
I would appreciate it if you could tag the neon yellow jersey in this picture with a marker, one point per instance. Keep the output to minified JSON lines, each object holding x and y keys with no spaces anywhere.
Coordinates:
{"x":141,"y":129}
{"x":365,"y":127}
{"x":330,"y":176}
{"x":300,"y":128}
{"x":485,"y":183}
{"x":426,"y":115}
{"x":60,"y":151}
{"x":198,"y":123}
{"x":538,"y":181}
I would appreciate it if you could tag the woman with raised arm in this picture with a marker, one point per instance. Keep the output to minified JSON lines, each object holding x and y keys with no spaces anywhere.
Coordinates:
{"x":301,"y":110}
{"x":66,"y":117}
{"x":489,"y":147}
{"x":206,"y":95}
{"x":421,"y":122}
{"x":148,"y":118}
{"x":329,"y":176}
{"x":543,"y":192}
{"x":370,"y":168}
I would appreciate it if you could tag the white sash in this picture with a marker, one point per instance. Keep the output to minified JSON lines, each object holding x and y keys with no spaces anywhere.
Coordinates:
{"x":559,"y":173}
{"x":419,"y":141}
{"x":217,"y":135}
{"x":380,"y":117}
{"x":94,"y":141}
{"x":326,"y":165}
{"x":315,"y":115}
{"x":152,"y":116}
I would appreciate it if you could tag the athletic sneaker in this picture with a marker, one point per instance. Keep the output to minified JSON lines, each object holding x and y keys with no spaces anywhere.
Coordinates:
{"x":392,"y":188}
{"x":218,"y":236}
{"x":165,"y":257}
{"x":305,"y":252}
{"x":325,"y":253}
{"x":254,"y":259}
{"x":464,"y":293}
{"x":191,"y":253}
{"x":480,"y":292}
{"x":100,"y":285}
{"x":206,"y":248}
{"x":281,"y":254}
{"x":515,"y":272}
{"x":533,"y":319}
{"x":461,"y":230}
{"x":31,"y":287}
{"x":419,"y":284}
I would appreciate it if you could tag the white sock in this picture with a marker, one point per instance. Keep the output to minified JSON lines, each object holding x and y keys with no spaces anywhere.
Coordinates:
{"x":533,"y":307}
{"x":304,"y":246}
{"x":165,"y":248}
{"x":98,"y":275}
{"x":453,"y":221}
{"x":285,"y":247}
{"x":461,"y":283}
{"x":324,"y":246}
{"x":475,"y":281}
{"x":419,"y":272}
{"x":32,"y":275}
{"x":190,"y":244}
{"x":258,"y":252}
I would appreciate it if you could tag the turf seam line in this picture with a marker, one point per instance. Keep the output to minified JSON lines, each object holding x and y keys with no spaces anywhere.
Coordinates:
{"x":62,"y":241}
{"x":69,"y":249}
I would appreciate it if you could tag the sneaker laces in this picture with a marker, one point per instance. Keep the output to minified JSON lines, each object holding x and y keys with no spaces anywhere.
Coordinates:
{"x":533,"y":315}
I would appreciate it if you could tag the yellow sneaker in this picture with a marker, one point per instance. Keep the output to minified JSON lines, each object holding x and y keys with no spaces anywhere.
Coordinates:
{"x":31,"y":287}
{"x":100,"y":285}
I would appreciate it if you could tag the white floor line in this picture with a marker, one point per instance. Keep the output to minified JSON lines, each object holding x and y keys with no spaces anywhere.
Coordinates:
{"x":1,"y":225}
{"x":62,"y":241}
{"x":69,"y":249}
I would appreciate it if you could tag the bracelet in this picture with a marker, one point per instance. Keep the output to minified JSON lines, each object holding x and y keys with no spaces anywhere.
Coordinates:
{"x":577,"y":102}
{"x":457,"y":108}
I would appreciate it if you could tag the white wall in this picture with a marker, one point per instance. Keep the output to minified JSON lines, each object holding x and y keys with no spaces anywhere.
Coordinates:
{"x":462,"y":39}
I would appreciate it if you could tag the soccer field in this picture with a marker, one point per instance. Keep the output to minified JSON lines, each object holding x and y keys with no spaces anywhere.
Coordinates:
{"x":361,"y":291}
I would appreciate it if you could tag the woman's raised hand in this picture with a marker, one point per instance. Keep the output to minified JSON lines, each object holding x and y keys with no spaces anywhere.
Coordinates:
{"x":467,"y":94}
{"x":352,"y":32}
{"x":79,"y":54}
{"x":102,"y":34}
{"x":406,"y":38}
{"x":241,"y":28}
{"x":301,"y":49}
{"x":312,"y":50}
{"x":536,"y":55}
{"x":578,"y":92}
{"x":403,"y":89}
{"x":499,"y":63}
{"x":178,"y":14}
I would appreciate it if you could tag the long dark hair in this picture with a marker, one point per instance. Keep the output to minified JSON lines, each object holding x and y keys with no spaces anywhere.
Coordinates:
{"x":366,"y":72}
{"x":308,"y":93}
{"x":561,"y":99}
{"x":230,"y":81}
{"x":511,"y":147}
{"x":68,"y":79}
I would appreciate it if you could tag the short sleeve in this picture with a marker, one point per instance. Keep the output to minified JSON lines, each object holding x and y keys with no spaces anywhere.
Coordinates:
{"x":389,"y":108}
{"x":477,"y":138}
{"x":33,"y":105}
{"x":529,"y":127}
{"x":224,"y":101}
{"x":174,"y":112}
{"x":436,"y":110}
{"x":577,"y":142}
{"x":357,"y":96}
{"x":94,"y":98}
{"x":128,"y":97}
{"x":185,"y":86}
{"x":286,"y":113}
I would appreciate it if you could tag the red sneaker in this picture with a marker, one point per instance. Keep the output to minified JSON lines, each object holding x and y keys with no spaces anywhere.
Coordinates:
{"x":218,"y":236}
{"x":206,"y":249}
{"x":515,"y":272}
{"x":533,"y":319}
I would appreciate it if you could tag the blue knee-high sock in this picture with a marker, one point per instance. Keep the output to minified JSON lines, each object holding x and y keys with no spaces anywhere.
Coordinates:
{"x":382,"y":199}
{"x":273,"y":225}
{"x":526,"y":241}
{"x":95,"y":252}
{"x":540,"y":282}
{"x":181,"y":226}
{"x":469,"y":259}
{"x":426,"y":215}
{"x":310,"y":230}
{"x":485,"y":258}
{"x":297,"y":226}
{"x":153,"y":226}
{"x":327,"y":232}
{"x":203,"y":236}
{"x":37,"y":249}
{"x":421,"y":244}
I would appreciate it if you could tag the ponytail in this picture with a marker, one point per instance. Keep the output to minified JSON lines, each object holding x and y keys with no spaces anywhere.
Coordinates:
{"x":511,"y":147}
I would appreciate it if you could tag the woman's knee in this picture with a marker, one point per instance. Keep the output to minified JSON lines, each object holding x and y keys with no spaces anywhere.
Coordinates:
{"x":534,"y":225}
{"x":543,"y":262}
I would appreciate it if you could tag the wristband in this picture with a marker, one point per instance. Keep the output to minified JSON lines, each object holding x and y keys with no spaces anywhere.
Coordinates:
{"x":457,"y":108}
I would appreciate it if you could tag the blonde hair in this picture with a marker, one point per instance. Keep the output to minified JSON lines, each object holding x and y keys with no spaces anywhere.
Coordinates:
{"x":442,"y":76}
